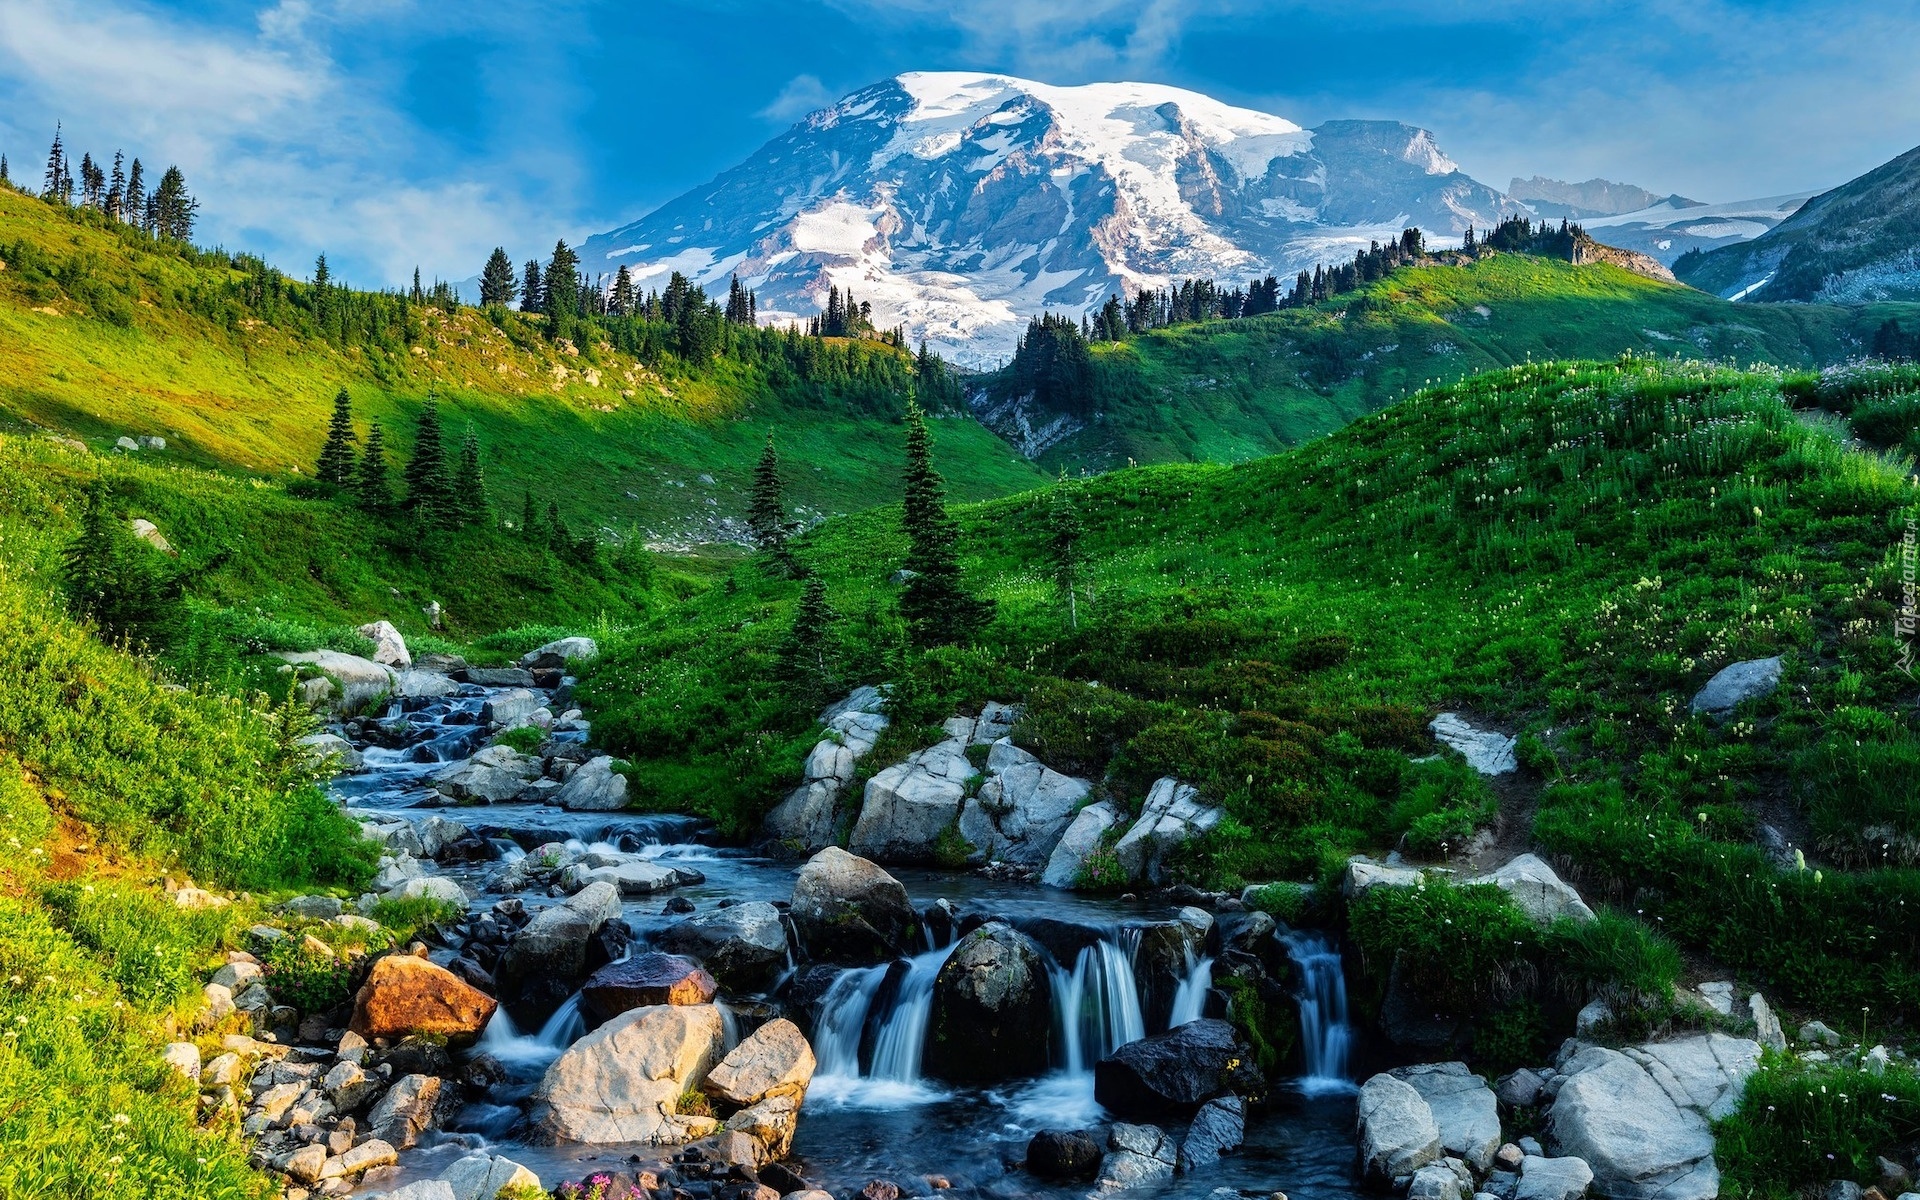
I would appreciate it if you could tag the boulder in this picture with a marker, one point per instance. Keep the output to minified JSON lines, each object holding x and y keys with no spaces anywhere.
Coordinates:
{"x":150,"y":533}
{"x":847,"y":909}
{"x":561,"y":652}
{"x":992,"y":1009}
{"x":807,"y":818}
{"x":1766,"y":1023}
{"x":1078,"y":843}
{"x":416,"y":684}
{"x":404,"y":995}
{"x":500,"y":677}
{"x":623,"y":1081}
{"x":1174,"y":1072}
{"x":909,"y":804}
{"x":419,"y":1189}
{"x":406,"y":1111}
{"x":594,"y":787}
{"x":775,"y":1060}
{"x":634,"y":877}
{"x":436,"y":833}
{"x":643,"y":981}
{"x":1553,"y":1178}
{"x":1736,"y":683}
{"x":1463,"y":1107}
{"x":1220,"y":1126}
{"x":1398,"y":1135}
{"x":482,"y":1176}
{"x":359,"y":681}
{"x":183,"y":1057}
{"x":1538,"y":891}
{"x":368,"y":1156}
{"x":1137,"y":1155}
{"x":1172,"y":813}
{"x":510,"y":709}
{"x":314,"y":908}
{"x":437,"y":887}
{"x":347,"y":1086}
{"x":395,"y":833}
{"x":333,"y":751}
{"x":492,"y":775}
{"x":1439,"y":1181}
{"x":1065,"y":1155}
{"x":1363,"y":873}
{"x":810,"y":815}
{"x":1487,"y":751}
{"x":546,"y":960}
{"x":389,"y":648}
{"x":744,"y":946}
{"x":1022,"y":809}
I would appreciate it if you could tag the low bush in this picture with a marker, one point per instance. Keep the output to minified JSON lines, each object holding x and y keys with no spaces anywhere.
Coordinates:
{"x":404,"y":918}
{"x":305,"y":977}
{"x":526,"y":739}
{"x":1457,"y":947}
{"x":1802,"y":1125}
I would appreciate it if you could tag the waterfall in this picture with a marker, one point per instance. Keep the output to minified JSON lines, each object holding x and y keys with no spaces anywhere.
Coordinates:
{"x":1190,"y":998}
{"x":1096,"y":1006}
{"x":892,"y":1075}
{"x":1325,"y":1036}
{"x":843,"y":1016}
{"x":504,"y":1041}
{"x":902,"y":1036}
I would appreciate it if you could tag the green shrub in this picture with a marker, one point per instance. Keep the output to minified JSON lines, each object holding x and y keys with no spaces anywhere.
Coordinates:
{"x":1802,"y":1124}
{"x":407,"y":917}
{"x":1458,"y":947}
{"x":1616,"y":958}
{"x":526,"y":739}
{"x":1286,"y":902}
{"x":1442,"y":801}
{"x":306,"y":978}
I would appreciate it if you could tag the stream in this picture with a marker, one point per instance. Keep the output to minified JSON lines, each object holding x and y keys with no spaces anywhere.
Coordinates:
{"x":870,"y":1113}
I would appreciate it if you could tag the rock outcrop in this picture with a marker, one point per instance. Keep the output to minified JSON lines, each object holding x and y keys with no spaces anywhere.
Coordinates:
{"x":1463,"y":1107}
{"x":623,"y":1081}
{"x":1067,"y":864}
{"x":357,"y":682}
{"x":1538,"y":891}
{"x":404,"y":995}
{"x":1172,"y":813}
{"x":1486,"y":750}
{"x":1735,"y":684}
{"x":850,"y":910}
{"x":1022,"y":810}
{"x":389,"y":648}
{"x":1398,"y":1134}
{"x":992,"y":1008}
{"x":808,"y":818}
{"x":909,"y":804}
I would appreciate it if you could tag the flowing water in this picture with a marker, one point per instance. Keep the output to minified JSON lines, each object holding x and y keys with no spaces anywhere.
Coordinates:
{"x":870,"y":1113}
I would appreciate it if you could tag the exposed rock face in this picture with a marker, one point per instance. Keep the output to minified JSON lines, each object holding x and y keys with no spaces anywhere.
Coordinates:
{"x":1022,"y":809}
{"x":560,"y":653}
{"x":491,"y":775}
{"x":1220,"y":1126}
{"x":594,"y":787}
{"x":1539,"y":892}
{"x":545,"y":961}
{"x":992,"y":1008}
{"x":643,"y":981}
{"x":389,"y":648}
{"x":1464,"y":1108}
{"x":745,"y":946}
{"x":623,"y":1081}
{"x":1736,"y":683}
{"x":1398,"y":1135}
{"x":1173,"y":812}
{"x":849,"y":910}
{"x":406,"y":1111}
{"x":404,"y":995}
{"x":908,"y":804}
{"x":1079,"y":842}
{"x":1137,"y":1155}
{"x":1174,"y":1072}
{"x":807,"y":818}
{"x":360,"y":681}
{"x":1486,"y":751}
{"x":1640,"y":1118}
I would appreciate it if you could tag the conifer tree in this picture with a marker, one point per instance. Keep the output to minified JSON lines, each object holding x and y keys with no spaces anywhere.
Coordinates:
{"x":117,"y":187}
{"x":497,"y":284}
{"x":529,"y":517}
{"x":767,"y":512}
{"x":370,"y":482}
{"x":559,"y":537}
{"x":563,"y":282}
{"x":937,"y":610}
{"x":1064,"y":528}
{"x":336,"y":455}
{"x":533,"y":291}
{"x":6,"y":180}
{"x":58,"y":182}
{"x":110,"y":578}
{"x":470,"y":482}
{"x":623,"y":297}
{"x":429,"y":491}
{"x":136,"y":203}
{"x":805,"y":664}
{"x":173,"y":207}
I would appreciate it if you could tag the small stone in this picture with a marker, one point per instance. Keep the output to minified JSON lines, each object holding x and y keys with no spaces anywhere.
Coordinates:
{"x":1818,"y":1033}
{"x":183,"y":1057}
{"x":306,"y":1163}
{"x":369,"y":1154}
{"x":1509,"y":1157}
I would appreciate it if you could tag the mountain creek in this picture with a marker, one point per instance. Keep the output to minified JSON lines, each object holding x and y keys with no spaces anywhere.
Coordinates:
{"x":628,"y":1003}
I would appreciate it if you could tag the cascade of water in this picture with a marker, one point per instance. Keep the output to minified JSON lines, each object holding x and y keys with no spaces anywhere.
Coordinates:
{"x":1190,"y":998}
{"x":1096,"y":1006}
{"x":903,"y":1034}
{"x":503,"y":1040}
{"x":843,"y":1015}
{"x":1325,"y":1036}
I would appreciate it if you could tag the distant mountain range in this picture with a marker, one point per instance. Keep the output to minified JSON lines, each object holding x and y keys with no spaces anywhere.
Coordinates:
{"x":1859,"y":242}
{"x":961,"y":204}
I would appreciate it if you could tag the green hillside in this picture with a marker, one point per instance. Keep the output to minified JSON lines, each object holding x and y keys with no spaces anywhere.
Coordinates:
{"x":1223,"y":391}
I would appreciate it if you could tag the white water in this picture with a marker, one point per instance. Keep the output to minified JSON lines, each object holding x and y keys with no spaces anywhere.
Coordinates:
{"x":892,"y":1078}
{"x":1190,"y":998}
{"x":1325,"y":1036}
{"x":504,"y":1041}
{"x":1096,"y":1006}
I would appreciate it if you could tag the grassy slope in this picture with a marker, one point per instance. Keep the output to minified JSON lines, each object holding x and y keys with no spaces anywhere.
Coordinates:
{"x":1231,"y":390}
{"x":257,"y":399}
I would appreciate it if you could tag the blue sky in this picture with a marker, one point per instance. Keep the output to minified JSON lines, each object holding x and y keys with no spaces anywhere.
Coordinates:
{"x":398,"y":132}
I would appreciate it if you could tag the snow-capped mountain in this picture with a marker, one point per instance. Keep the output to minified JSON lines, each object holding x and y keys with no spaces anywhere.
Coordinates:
{"x":961,"y":204}
{"x":1675,"y":225}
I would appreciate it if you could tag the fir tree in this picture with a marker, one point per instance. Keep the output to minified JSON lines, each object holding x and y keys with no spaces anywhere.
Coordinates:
{"x":173,"y":207}
{"x":529,"y":517}
{"x":136,"y":202}
{"x":470,"y":482}
{"x":937,"y":610}
{"x":429,"y":491}
{"x":767,"y":512}
{"x":6,"y":180}
{"x":497,"y":284}
{"x":623,"y":297}
{"x":804,"y":664}
{"x":117,"y":187}
{"x":533,"y":291}
{"x":417,"y":296}
{"x":559,"y":537}
{"x":336,"y":455}
{"x":110,"y":577}
{"x":58,"y":181}
{"x":370,"y":482}
{"x":563,"y":282}
{"x":1064,"y":528}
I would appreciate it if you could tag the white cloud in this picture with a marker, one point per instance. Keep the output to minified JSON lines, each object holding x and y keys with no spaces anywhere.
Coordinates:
{"x":802,"y":95}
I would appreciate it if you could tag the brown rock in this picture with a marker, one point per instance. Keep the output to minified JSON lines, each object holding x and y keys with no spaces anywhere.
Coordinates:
{"x":880,"y":1189}
{"x":405,"y":995}
{"x":775,"y":1061}
{"x":646,"y":980}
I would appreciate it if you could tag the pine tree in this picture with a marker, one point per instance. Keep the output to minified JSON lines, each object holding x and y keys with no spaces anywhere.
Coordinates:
{"x":136,"y":193}
{"x":470,"y":482}
{"x":417,"y":296}
{"x":767,"y":512}
{"x":429,"y":491}
{"x":6,"y":180}
{"x":559,"y":537}
{"x":336,"y":455}
{"x":937,"y":610}
{"x":563,"y":282}
{"x":533,"y":291}
{"x":1064,"y":528}
{"x":497,"y":284}
{"x":529,"y":517}
{"x":110,"y":578}
{"x":370,"y":482}
{"x":805,"y":664}
{"x":173,"y":207}
{"x":117,"y":187}
{"x":623,"y":297}
{"x":58,"y":182}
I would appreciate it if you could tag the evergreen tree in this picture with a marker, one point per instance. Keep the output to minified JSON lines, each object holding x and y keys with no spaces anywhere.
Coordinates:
{"x":470,"y":482}
{"x":370,"y":482}
{"x":559,"y":537}
{"x":937,"y":610}
{"x":111,"y":578}
{"x":529,"y":517}
{"x":497,"y":284}
{"x":805,"y":661}
{"x":767,"y":511}
{"x":623,"y":297}
{"x":429,"y":491}
{"x":136,"y":202}
{"x":6,"y":180}
{"x":1064,"y":528}
{"x":173,"y":207}
{"x":632,"y":559}
{"x":533,"y":291}
{"x":58,"y":182}
{"x":563,"y":282}
{"x":417,"y":296}
{"x":336,"y":455}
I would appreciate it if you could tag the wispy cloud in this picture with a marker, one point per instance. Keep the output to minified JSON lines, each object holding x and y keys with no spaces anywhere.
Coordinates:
{"x":802,"y":95}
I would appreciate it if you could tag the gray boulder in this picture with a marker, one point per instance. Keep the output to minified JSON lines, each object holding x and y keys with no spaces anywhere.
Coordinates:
{"x":992,"y":1009}
{"x":1736,"y":683}
{"x":595,"y":787}
{"x":510,"y":709}
{"x":623,"y":1081}
{"x":1173,"y":813}
{"x":547,"y":960}
{"x":1364,"y":873}
{"x":1487,"y":751}
{"x":492,"y":775}
{"x":1022,"y":809}
{"x":1137,"y":1155}
{"x":810,"y":815}
{"x":1080,"y":842}
{"x":359,"y":682}
{"x":908,"y":804}
{"x":417,"y":684}
{"x":744,"y":946}
{"x":1553,"y":1178}
{"x":1398,"y":1134}
{"x":500,"y":677}
{"x":1440,"y":1181}
{"x":847,"y":909}
{"x":1538,"y":891}
{"x":332,"y":748}
{"x":565,"y":650}
{"x":1464,"y":1108}
{"x":1219,"y":1127}
{"x":389,"y":648}
{"x":482,"y":1176}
